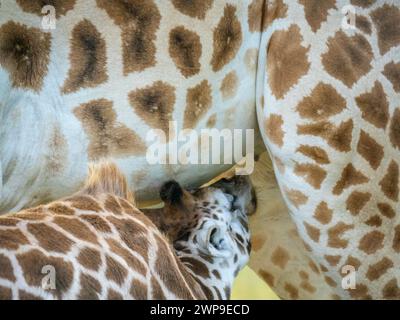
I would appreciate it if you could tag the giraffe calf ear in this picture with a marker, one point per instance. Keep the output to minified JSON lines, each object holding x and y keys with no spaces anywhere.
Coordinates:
{"x":171,"y":192}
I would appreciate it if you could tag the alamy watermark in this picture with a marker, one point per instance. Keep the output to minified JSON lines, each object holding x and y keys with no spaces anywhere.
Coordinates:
{"x":207,"y":146}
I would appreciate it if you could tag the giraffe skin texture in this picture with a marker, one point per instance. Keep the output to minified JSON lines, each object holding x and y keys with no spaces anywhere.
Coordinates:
{"x":97,"y":245}
{"x":328,"y":109}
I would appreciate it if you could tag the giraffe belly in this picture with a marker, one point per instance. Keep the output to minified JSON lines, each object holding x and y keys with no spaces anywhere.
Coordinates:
{"x":94,"y":87}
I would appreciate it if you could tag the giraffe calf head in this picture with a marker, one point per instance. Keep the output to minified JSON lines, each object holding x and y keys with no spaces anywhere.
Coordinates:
{"x":211,"y":221}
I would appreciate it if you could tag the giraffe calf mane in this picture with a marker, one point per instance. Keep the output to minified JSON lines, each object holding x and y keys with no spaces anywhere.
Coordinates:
{"x":105,"y":177}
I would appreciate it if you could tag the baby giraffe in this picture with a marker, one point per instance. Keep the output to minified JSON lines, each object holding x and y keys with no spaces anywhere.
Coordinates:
{"x":97,"y":245}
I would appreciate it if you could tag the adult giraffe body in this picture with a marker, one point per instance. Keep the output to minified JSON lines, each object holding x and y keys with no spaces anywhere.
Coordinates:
{"x":109,"y":72}
{"x":331,"y":119}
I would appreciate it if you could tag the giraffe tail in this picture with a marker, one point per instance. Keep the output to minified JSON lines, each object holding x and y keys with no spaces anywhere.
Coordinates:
{"x":105,"y":177}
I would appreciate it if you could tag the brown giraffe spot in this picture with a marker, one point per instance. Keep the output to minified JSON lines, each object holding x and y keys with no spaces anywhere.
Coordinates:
{"x":390,"y":182}
{"x":257,"y":242}
{"x":313,"y":174}
{"x":5,"y":293}
{"x":335,"y":234}
{"x":227,"y":39}
{"x":318,"y":154}
{"x":292,"y":290}
{"x":360,"y":292}
{"x":267,"y":277}
{"x":50,"y":239}
{"x":107,"y":136}
{"x":350,"y":177}
{"x":157,"y":292}
{"x":31,"y":216}
{"x":305,"y":285}
{"x":280,"y":257}
{"x":275,"y":10}
{"x":58,"y":152}
{"x":6,"y":269}
{"x":114,"y":295}
{"x":90,"y":258}
{"x":255,"y":16}
{"x":196,"y":265}
{"x":229,"y":85}
{"x":8,"y":222}
{"x":130,"y":259}
{"x":323,"y":268}
{"x":138,"y":290}
{"x":115,"y":271}
{"x":296,"y":197}
{"x":193,"y":8}
{"x":354,"y":262}
{"x":363,"y":24}
{"x":11,"y":239}
{"x":154,"y":104}
{"x":332,"y":260}
{"x":90,"y":288}
{"x":395,"y":129}
{"x":374,"y":106}
{"x":348,"y":58}
{"x":128,"y":207}
{"x":198,"y":102}
{"x":250,"y":60}
{"x":216,"y":274}
{"x":139,"y":21}
{"x":386,"y":20}
{"x":312,"y":232}
{"x":60,"y":209}
{"x":363,"y":3}
{"x":23,"y":295}
{"x":96,"y":222}
{"x":339,"y":137}
{"x":386,"y":210}
{"x":371,"y":242}
{"x":132,"y":234}
{"x":287,"y":60}
{"x":84,"y":203}
{"x":316,"y":12}
{"x":370,"y":150}
{"x":322,"y":213}
{"x":61,"y":6}
{"x":273,"y":129}
{"x":185,"y":50}
{"x":304,"y":275}
{"x":111,"y":204}
{"x":212,"y":120}
{"x":374,"y":221}
{"x":25,"y":54}
{"x":392,"y":73}
{"x":87,"y":58}
{"x":330,"y":282}
{"x":396,"y":239}
{"x":391,"y":290}
{"x":323,"y":102}
{"x":356,"y":201}
{"x":313,"y":267}
{"x":375,"y":271}
{"x":32,"y":263}
{"x":77,"y":228}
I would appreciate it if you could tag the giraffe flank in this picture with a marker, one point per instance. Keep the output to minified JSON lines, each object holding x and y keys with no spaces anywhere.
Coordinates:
{"x":110,"y":72}
{"x":328,"y":106}
{"x":100,"y":246}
